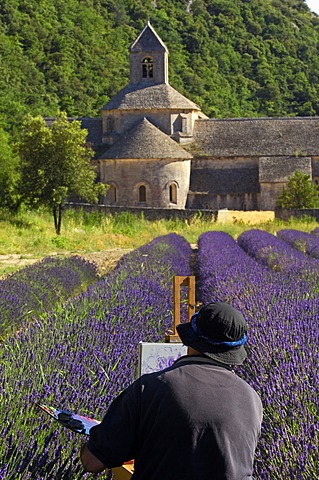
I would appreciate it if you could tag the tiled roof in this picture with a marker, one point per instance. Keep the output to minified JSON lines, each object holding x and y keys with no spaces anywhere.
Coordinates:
{"x":258,"y":136}
{"x":145,"y":141}
{"x":148,"y":96}
{"x":148,"y":40}
{"x":93,"y":125}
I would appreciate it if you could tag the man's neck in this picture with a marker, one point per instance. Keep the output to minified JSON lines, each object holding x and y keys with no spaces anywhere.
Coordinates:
{"x":192,"y":352}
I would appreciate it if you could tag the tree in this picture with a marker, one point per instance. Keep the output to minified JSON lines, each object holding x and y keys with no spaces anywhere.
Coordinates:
{"x":300,"y":192}
{"x":9,"y":172}
{"x":56,"y":165}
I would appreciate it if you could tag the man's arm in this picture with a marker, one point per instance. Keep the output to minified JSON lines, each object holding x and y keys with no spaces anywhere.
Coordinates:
{"x":90,"y":462}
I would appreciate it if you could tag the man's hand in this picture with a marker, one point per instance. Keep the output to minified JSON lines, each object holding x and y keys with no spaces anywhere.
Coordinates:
{"x":90,"y":462}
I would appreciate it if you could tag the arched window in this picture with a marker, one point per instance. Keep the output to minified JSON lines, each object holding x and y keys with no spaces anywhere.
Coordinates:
{"x":147,"y":67}
{"x":113,"y":194}
{"x":142,"y":194}
{"x":173,"y":193}
{"x":109,"y":124}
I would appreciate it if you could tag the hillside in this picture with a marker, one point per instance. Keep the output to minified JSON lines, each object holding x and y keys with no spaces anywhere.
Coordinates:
{"x":235,"y":58}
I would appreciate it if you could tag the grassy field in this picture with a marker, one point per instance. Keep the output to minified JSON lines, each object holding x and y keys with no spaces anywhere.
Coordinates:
{"x":30,"y":235}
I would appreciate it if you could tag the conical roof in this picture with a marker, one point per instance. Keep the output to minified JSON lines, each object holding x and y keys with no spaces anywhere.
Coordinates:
{"x":146,"y":141}
{"x":148,"y":40}
{"x":149,"y":96}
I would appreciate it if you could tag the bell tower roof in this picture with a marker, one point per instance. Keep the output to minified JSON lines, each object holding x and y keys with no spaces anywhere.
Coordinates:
{"x":148,"y":41}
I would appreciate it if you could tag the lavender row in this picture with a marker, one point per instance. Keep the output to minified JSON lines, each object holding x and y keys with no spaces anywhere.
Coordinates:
{"x":82,"y":356}
{"x":38,"y":287}
{"x":283,"y":352}
{"x":303,"y":241}
{"x":295,"y":266}
{"x":274,"y":252}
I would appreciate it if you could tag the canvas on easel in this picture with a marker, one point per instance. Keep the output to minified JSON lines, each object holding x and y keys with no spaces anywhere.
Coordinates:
{"x":157,"y":356}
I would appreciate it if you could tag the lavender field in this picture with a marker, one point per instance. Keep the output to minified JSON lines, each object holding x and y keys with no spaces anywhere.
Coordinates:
{"x":80,"y":356}
{"x":82,"y":353}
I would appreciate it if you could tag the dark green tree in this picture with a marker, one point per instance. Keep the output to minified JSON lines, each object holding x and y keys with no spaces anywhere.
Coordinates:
{"x":9,"y":172}
{"x":300,"y":192}
{"x":56,"y":165}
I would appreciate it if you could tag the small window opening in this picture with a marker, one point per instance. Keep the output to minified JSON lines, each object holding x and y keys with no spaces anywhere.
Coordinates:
{"x":147,"y":67}
{"x":142,"y":194}
{"x":113,"y":194}
{"x":184,"y":125}
{"x":173,"y":193}
{"x":109,"y":124}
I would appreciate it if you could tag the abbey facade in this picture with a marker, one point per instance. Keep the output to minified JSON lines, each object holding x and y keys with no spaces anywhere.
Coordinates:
{"x":161,"y":151}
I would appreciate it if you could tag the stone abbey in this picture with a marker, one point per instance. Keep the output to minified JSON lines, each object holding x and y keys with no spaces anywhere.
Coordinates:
{"x":161,"y":151}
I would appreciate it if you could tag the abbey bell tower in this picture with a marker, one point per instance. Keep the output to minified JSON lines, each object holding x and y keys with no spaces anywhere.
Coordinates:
{"x":149,"y":95}
{"x":148,"y":58}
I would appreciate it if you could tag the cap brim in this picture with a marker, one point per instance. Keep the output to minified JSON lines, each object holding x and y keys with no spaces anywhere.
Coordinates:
{"x":223,"y":354}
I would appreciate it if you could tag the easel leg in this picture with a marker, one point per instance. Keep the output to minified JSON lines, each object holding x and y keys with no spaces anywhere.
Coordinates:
{"x":178,"y":282}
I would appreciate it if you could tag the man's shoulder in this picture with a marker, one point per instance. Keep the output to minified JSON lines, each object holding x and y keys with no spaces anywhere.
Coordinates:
{"x":248,"y":391}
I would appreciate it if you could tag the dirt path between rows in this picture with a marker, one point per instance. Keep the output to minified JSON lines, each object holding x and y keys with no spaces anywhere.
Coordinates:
{"x":105,"y":261}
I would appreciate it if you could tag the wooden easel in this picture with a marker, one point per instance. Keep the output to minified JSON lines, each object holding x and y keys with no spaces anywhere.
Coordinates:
{"x":178,"y":282}
{"x":126,"y":471}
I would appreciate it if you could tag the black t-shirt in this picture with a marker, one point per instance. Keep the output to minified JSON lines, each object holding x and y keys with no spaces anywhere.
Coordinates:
{"x":192,"y":421}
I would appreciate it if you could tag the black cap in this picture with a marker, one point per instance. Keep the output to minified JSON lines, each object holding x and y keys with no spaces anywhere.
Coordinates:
{"x":218,"y":331}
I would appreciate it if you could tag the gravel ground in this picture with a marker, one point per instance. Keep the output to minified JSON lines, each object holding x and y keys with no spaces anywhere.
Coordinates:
{"x":105,"y":260}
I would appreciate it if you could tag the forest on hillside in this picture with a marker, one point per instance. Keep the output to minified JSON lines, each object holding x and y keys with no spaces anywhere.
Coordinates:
{"x":234,"y":58}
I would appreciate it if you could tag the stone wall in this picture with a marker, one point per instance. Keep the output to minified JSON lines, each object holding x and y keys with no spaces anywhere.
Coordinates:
{"x":269,"y":194}
{"x":279,"y":169}
{"x":148,"y":213}
{"x":243,"y":201}
{"x":286,"y":213}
